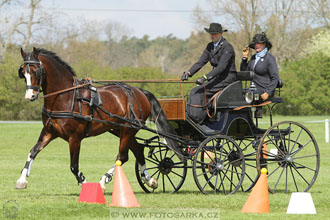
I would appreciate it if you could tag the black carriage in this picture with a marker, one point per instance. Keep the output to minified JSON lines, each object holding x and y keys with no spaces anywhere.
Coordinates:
{"x":227,"y":152}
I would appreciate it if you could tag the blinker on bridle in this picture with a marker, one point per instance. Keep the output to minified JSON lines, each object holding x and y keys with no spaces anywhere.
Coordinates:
{"x":39,"y":72}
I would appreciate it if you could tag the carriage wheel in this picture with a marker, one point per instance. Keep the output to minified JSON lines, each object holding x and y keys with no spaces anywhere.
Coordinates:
{"x":290,"y":153}
{"x":218,"y":166}
{"x":249,"y":149}
{"x":164,"y":165}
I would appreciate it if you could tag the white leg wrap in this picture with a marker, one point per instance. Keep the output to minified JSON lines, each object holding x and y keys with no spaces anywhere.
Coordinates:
{"x":29,"y":169}
{"x":105,"y":178}
{"x":22,"y":182}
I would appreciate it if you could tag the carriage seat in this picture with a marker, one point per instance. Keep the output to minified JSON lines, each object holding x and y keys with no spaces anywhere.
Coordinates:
{"x":278,"y":99}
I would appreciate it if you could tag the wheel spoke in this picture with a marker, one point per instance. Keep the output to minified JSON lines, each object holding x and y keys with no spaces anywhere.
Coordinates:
{"x":225,"y":175}
{"x":231,"y":177}
{"x":216,"y":182}
{"x":232,"y":171}
{"x":209,"y":156}
{"x":239,"y":178}
{"x":205,"y":172}
{"x":155,"y":156}
{"x":313,"y":155}
{"x":170,"y":181}
{"x":296,"y":141}
{"x":286,"y":179}
{"x":278,"y":161}
{"x":224,"y":159}
{"x":176,"y":173}
{"x":303,"y":166}
{"x":273,"y":171}
{"x":299,"y":149}
{"x":172,"y":156}
{"x":223,"y":185}
{"x":300,"y":175}
{"x":160,"y":153}
{"x":283,"y":142}
{"x":202,"y":162}
{"x":250,"y":165}
{"x":253,"y":154}
{"x":289,"y":140}
{"x":208,"y":180}
{"x":294,"y":179}
{"x":233,"y":161}
{"x":151,"y":161}
{"x":150,"y":168}
{"x":246,"y":146}
{"x":166,"y":152}
{"x":155,"y":173}
{"x":279,"y":149}
{"x":269,"y":154}
{"x":248,"y":176}
{"x":163,"y":182}
{"x":278,"y":180}
{"x":215,"y":151}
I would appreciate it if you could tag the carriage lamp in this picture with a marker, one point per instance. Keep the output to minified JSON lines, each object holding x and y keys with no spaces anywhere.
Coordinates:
{"x":251,"y":94}
{"x":249,"y":97}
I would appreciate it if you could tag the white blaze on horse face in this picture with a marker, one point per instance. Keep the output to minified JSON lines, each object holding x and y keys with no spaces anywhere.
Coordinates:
{"x":29,"y":92}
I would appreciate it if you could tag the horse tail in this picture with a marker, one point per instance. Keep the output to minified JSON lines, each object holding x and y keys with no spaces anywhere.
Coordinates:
{"x":162,"y":123}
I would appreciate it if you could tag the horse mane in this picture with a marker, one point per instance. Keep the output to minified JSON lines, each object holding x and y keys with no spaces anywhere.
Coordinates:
{"x":54,"y":56}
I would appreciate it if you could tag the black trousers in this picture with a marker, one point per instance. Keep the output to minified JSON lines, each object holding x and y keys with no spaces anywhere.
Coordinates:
{"x":197,"y":96}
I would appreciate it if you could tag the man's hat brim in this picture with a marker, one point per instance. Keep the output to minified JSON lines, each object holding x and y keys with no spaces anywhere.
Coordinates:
{"x":214,"y":32}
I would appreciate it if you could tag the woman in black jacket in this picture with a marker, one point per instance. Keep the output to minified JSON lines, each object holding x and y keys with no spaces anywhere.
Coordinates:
{"x":263,"y":64}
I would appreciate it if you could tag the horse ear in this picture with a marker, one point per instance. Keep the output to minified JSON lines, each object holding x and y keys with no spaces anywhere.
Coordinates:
{"x":35,"y":52}
{"x":23,"y":53}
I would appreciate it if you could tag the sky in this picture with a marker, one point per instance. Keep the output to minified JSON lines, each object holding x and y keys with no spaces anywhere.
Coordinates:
{"x":153,"y":24}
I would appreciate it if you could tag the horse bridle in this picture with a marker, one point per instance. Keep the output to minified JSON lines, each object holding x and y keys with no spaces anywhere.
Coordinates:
{"x":39,"y":73}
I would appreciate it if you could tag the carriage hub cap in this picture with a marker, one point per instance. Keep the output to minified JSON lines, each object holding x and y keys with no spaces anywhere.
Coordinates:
{"x":219,"y":166}
{"x":289,"y":159}
{"x":165,"y":166}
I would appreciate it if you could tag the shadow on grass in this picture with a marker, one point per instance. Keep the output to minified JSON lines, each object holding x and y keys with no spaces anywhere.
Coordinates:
{"x":61,"y":194}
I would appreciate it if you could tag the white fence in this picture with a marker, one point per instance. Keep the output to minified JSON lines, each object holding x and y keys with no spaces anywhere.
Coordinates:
{"x":326,"y":125}
{"x":326,"y":130}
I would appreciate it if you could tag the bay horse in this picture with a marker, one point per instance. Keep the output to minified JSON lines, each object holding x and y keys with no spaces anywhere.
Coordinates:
{"x":68,"y":110}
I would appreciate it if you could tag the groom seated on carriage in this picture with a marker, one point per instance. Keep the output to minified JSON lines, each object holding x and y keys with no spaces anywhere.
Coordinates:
{"x":221,"y":56}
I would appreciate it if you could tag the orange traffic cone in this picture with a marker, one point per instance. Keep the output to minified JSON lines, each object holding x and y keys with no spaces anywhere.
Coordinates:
{"x":258,"y":200}
{"x":92,"y":193}
{"x":122,"y":193}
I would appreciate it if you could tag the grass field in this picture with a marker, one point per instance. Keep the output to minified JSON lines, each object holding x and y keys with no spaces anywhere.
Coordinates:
{"x":53,"y":192}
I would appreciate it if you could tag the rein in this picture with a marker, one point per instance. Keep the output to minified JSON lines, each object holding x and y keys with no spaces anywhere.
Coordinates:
{"x":65,"y":90}
{"x":207,"y":103}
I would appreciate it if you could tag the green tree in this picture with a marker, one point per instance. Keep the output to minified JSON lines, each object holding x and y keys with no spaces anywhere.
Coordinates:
{"x":306,"y":86}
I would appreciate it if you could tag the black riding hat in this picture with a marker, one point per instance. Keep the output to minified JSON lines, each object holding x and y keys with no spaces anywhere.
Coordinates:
{"x":215,"y":28}
{"x":259,"y":39}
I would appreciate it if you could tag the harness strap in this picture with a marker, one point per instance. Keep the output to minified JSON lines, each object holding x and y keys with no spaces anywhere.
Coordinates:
{"x":65,"y":90}
{"x":207,"y":103}
{"x":129,"y":94}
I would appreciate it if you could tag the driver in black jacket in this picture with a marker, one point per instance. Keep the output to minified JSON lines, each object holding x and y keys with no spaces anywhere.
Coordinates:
{"x":221,"y":56}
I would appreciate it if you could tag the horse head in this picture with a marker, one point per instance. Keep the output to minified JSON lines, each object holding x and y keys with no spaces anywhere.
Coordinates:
{"x":32,"y":71}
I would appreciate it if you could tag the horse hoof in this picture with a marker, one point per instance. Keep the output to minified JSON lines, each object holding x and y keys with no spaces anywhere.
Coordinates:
{"x":102,"y":186}
{"x":153,"y":183}
{"x":21,"y":185}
